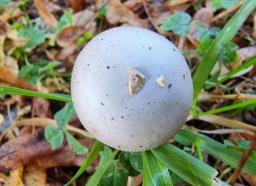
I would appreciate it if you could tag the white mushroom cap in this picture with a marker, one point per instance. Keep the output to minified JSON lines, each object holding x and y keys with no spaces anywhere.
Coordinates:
{"x":101,"y":95}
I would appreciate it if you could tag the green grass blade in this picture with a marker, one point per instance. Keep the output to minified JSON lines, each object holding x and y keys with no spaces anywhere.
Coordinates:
{"x":226,"y":34}
{"x":216,"y":149}
{"x":95,"y":178}
{"x":245,"y":65}
{"x":97,"y":147}
{"x":154,"y":172}
{"x":239,"y":105}
{"x":186,"y":166}
{"x":24,"y":92}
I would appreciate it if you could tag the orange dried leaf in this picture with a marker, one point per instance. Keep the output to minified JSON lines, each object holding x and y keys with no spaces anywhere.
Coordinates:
{"x":118,"y":13}
{"x":47,"y":16}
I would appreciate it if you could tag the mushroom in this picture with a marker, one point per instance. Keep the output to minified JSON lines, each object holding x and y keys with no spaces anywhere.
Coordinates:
{"x":124,"y":113}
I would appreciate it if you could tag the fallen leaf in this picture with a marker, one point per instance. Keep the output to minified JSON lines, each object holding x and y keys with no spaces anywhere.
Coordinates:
{"x":118,"y":13}
{"x":68,"y":35}
{"x":19,"y":151}
{"x":9,"y":77}
{"x":77,"y":5}
{"x":34,"y":175}
{"x":134,"y":4}
{"x":7,"y":119}
{"x":47,"y":16}
{"x":85,"y":19}
{"x":249,"y":178}
{"x":15,"y":178}
{"x":204,"y":15}
{"x":247,"y":52}
{"x":40,"y":107}
{"x":61,"y":158}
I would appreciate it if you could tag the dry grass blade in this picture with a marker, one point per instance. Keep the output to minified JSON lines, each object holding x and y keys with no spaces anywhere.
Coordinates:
{"x":226,"y":122}
{"x":227,"y":12}
{"x":211,"y":97}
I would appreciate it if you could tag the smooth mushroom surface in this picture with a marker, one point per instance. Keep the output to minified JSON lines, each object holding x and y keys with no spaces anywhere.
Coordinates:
{"x":131,"y":88}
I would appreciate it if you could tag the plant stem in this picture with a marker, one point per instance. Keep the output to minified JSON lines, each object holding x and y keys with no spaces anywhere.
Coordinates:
{"x":243,"y":160}
{"x":97,"y":147}
{"x":19,"y":91}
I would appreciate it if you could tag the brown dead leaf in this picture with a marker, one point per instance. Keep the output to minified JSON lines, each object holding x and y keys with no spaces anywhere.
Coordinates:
{"x":85,"y":19}
{"x":10,"y":13}
{"x":247,"y":52}
{"x":204,"y":15}
{"x":118,"y":13}
{"x":68,"y":35}
{"x":47,"y":16}
{"x":249,"y":178}
{"x":19,"y":151}
{"x":77,"y":5}
{"x":34,"y":175}
{"x":15,"y":178}
{"x":134,"y":4}
{"x":40,"y":107}
{"x":8,"y":76}
{"x":62,"y":158}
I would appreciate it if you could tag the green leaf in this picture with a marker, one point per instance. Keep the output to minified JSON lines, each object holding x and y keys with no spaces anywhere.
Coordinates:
{"x":5,"y":3}
{"x":65,"y":20}
{"x":228,"y":53}
{"x":227,"y":33}
{"x":154,"y":171}
{"x":217,"y":4}
{"x":102,"y":11}
{"x":177,"y":22}
{"x":186,"y":166}
{"x":216,"y":149}
{"x":126,"y":164}
{"x":64,"y":115}
{"x":203,"y":32}
{"x":33,"y":35}
{"x":115,"y":175}
{"x":19,"y":91}
{"x":97,"y":147}
{"x":78,"y":148}
{"x":54,"y":135}
{"x":40,"y":68}
{"x":96,"y":177}
{"x":136,"y":160}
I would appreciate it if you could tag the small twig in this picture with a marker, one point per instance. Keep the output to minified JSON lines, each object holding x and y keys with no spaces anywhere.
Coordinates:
{"x":226,"y":122}
{"x":44,"y":122}
{"x":207,"y":96}
{"x":224,"y":131}
{"x":227,"y":12}
{"x":182,"y":42}
{"x":243,"y":160}
{"x":177,"y":2}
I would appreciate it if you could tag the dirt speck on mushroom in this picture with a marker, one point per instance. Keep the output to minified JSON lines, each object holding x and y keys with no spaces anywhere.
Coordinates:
{"x":161,"y":81}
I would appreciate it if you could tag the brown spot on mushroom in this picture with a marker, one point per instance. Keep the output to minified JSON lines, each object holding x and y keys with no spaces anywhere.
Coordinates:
{"x":102,"y":103}
{"x":108,"y":67}
{"x":184,"y":76}
{"x":161,"y":81}
{"x":136,"y":81}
